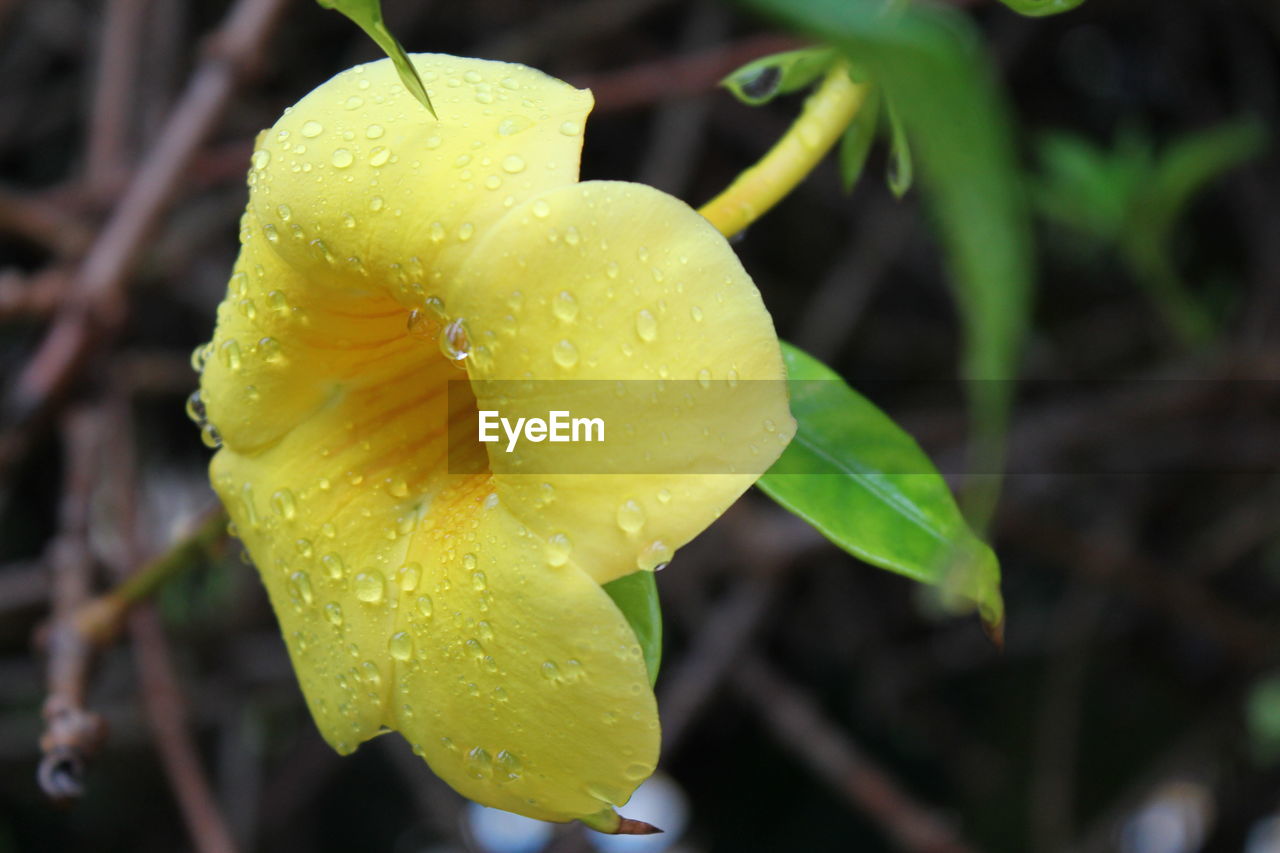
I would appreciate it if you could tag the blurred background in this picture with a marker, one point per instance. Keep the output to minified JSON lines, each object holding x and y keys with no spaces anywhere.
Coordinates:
{"x":809,"y":702}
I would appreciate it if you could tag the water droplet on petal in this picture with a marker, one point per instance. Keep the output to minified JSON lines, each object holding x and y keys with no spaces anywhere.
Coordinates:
{"x":565,"y":306}
{"x":570,"y":128}
{"x":370,"y":586}
{"x":260,"y":159}
{"x":630,"y":517}
{"x":655,"y":557}
{"x":646,"y":325}
{"x":333,"y":612}
{"x":541,"y":209}
{"x":565,"y":353}
{"x":312,"y":129}
{"x":455,"y":344}
{"x":379,"y":156}
{"x":400,"y":645}
{"x":302,"y":585}
{"x":513,"y":164}
{"x":342,"y":158}
{"x":284,"y":503}
{"x":559,"y":546}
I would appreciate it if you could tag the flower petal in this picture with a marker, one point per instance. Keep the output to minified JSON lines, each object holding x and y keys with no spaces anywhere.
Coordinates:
{"x":439,"y":615}
{"x":658,"y":297}
{"x":359,"y":180}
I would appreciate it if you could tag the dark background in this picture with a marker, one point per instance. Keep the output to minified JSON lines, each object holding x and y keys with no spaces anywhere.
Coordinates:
{"x":1133,"y":707}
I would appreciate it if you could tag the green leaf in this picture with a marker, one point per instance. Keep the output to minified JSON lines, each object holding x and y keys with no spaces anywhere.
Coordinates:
{"x":367,"y":14}
{"x":930,"y":65}
{"x":1041,"y":8}
{"x":901,"y":173}
{"x":636,"y":595}
{"x":867,"y":486}
{"x":855,"y":144}
{"x":1191,"y":162}
{"x":760,"y":81}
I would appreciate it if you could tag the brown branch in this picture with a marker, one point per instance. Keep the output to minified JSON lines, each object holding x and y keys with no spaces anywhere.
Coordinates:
{"x":72,"y":733}
{"x":96,"y":309}
{"x":677,"y":77}
{"x":113,"y":93}
{"x":799,"y":724}
{"x":158,"y":683}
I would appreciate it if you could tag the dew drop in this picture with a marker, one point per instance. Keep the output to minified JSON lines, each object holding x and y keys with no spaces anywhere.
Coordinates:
{"x":425,"y":607}
{"x":479,"y":582}
{"x":664,"y":496}
{"x":565,"y":306}
{"x":400,"y":645}
{"x":377,"y":203}
{"x":455,"y":344}
{"x":479,"y":763}
{"x":260,"y":159}
{"x":696,"y":313}
{"x":342,"y":158}
{"x":436,"y":232}
{"x":333,"y":566}
{"x":611,"y":269}
{"x":655,"y":557}
{"x":565,"y":353}
{"x":704,"y":378}
{"x":379,"y":156}
{"x":195,"y":409}
{"x":355,"y":102}
{"x":333,"y":612}
{"x":646,"y":325}
{"x":541,"y":209}
{"x":630,"y":517}
{"x":312,"y":129}
{"x":559,"y":546}
{"x":284,"y":504}
{"x":509,"y":765}
{"x":370,"y":586}
{"x":570,"y":128}
{"x":466,"y":231}
{"x":513,"y":164}
{"x":302,"y":584}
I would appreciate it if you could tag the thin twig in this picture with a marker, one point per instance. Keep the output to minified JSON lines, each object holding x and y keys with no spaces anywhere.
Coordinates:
{"x":158,"y":683}
{"x":97,"y":309}
{"x":72,"y":733}
{"x":682,"y":76}
{"x":798,"y":723}
{"x":113,"y":93}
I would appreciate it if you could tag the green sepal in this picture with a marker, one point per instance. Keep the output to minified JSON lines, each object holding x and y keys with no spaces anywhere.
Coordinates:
{"x":636,"y":595}
{"x":761,"y":80}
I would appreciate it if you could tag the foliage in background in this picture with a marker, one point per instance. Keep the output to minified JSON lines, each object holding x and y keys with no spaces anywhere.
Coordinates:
{"x":930,"y":67}
{"x":1130,"y":198}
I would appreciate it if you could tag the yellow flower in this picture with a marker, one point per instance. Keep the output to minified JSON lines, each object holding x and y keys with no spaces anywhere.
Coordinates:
{"x":465,"y":610}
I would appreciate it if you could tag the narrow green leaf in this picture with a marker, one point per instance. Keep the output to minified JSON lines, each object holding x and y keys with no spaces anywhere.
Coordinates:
{"x":1041,"y":8}
{"x":760,"y":81}
{"x":636,"y":595}
{"x":1192,"y":162}
{"x":367,"y":14}
{"x":930,"y":65}
{"x":867,"y":486}
{"x":901,"y":173}
{"x":855,"y":144}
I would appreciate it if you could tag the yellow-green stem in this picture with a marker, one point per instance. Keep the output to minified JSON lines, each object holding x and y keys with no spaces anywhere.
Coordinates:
{"x":100,"y":618}
{"x":826,"y":114}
